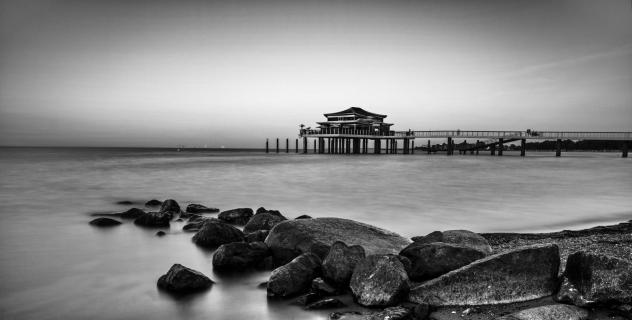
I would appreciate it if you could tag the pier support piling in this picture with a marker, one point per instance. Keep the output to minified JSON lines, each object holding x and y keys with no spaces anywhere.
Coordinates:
{"x":287,"y":145}
{"x":277,"y":145}
{"x":296,"y":147}
{"x":493,"y":149}
{"x":267,"y":146}
{"x":523,"y":147}
{"x":429,"y":149}
{"x":477,"y":142}
{"x":450,"y":147}
{"x":558,"y":148}
{"x":501,"y":146}
{"x":412,"y":147}
{"x":624,"y":149}
{"x":305,"y":145}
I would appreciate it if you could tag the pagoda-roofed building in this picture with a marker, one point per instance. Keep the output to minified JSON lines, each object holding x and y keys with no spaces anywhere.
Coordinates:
{"x":356,"y":119}
{"x":349,"y":131}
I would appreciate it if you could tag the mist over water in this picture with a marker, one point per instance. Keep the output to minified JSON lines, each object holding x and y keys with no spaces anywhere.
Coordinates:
{"x":54,"y":265}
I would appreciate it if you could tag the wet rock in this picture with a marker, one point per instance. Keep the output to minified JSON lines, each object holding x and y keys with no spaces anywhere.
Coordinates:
{"x":104,"y":222}
{"x":214,"y":233}
{"x":430,"y":260}
{"x":263,"y":221}
{"x":307,"y":299}
{"x":239,"y":216}
{"x":263,"y":285}
{"x":421,"y":311}
{"x":266,"y":264}
{"x":154,"y":220}
{"x":198,"y":208}
{"x":339,"y":263}
{"x":346,"y":315}
{"x":294,"y":277}
{"x":153,"y":203}
{"x":593,"y":279}
{"x":238,"y":256}
{"x":193,"y":226}
{"x":170,"y":206}
{"x":303,"y":217}
{"x":260,"y":210}
{"x":180,"y":279}
{"x":459,"y":237}
{"x":550,"y":312}
{"x":132,"y":213}
{"x":392,"y":313}
{"x":196,"y":217}
{"x":160,"y":234}
{"x":179,"y":220}
{"x":259,"y":235}
{"x":329,"y":303}
{"x":522,"y":274}
{"x":293,"y":237}
{"x":379,"y":281}
{"x":125,"y":202}
{"x":323,"y":288}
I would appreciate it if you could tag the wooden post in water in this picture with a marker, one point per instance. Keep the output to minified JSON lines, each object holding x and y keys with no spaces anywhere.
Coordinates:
{"x":558,"y":148}
{"x":267,"y":146}
{"x":500,"y":146}
{"x":523,"y":147}
{"x":493,"y":149}
{"x":277,"y":146}
{"x":304,"y":145}
{"x":412,"y":147}
{"x":287,"y":145}
{"x":624,"y":153}
{"x":329,"y":145}
{"x":394,"y":146}
{"x":429,"y":149}
{"x":449,"y":151}
{"x":296,"y":148}
{"x":315,"y":143}
{"x":477,"y":141}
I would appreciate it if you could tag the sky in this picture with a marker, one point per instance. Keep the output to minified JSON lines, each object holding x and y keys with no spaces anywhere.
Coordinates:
{"x":232,"y":73}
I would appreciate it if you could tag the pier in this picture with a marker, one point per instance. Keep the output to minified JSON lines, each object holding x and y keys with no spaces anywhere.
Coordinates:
{"x":356,"y":131}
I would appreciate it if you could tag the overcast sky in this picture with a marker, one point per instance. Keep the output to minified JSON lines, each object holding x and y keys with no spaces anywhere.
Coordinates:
{"x":231,"y":73}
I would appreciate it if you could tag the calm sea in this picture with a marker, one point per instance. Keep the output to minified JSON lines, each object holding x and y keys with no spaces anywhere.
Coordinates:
{"x":55,"y":266}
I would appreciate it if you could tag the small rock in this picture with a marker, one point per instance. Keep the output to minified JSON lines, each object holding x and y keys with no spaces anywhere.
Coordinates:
{"x":154,"y":220}
{"x":339,"y":263}
{"x":294,"y":277}
{"x":125,"y":202}
{"x":379,"y":280}
{"x":259,"y":235}
{"x":214,"y":233}
{"x":170,"y":206}
{"x":346,"y":315}
{"x":593,"y":279}
{"x":239,"y":216}
{"x":421,"y":311}
{"x":459,"y":237}
{"x":160,"y":234}
{"x":105,"y":222}
{"x":196,"y":217}
{"x":180,"y":279}
{"x":321,"y":287}
{"x":325,"y":304}
{"x":430,"y":260}
{"x":198,"y":208}
{"x":550,"y":312}
{"x":263,"y":221}
{"x":303,"y":217}
{"x":238,"y":256}
{"x":153,"y":203}
{"x":132,"y":213}
{"x":307,"y":299}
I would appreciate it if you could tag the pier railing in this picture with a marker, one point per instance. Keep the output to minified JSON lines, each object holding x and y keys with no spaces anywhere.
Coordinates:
{"x":542,"y":135}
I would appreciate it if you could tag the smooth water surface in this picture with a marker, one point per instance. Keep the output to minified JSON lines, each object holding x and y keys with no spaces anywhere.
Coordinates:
{"x":56,"y":266}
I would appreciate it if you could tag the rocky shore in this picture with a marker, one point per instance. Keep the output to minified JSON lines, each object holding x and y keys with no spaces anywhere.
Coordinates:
{"x":365,"y":272}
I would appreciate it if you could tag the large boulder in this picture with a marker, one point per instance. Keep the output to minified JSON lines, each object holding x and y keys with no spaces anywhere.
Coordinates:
{"x":339,"y":263}
{"x":259,"y":235}
{"x":238,"y":256}
{"x":154,"y":220}
{"x":170,"y":206}
{"x":198,"y":208}
{"x":550,"y":312}
{"x":591,"y":279}
{"x":215,"y":233}
{"x":180,"y":279}
{"x":105,"y":222}
{"x":379,"y":281}
{"x":239,"y":216}
{"x":459,"y":237}
{"x":525,"y":273}
{"x":291,"y":238}
{"x":430,"y":260}
{"x":294,"y":277}
{"x":263,"y":221}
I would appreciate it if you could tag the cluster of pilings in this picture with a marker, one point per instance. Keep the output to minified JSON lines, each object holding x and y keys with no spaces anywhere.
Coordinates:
{"x":349,"y":146}
{"x":497,"y":147}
